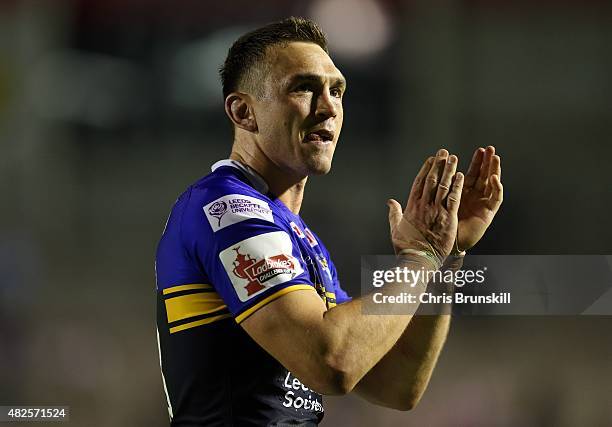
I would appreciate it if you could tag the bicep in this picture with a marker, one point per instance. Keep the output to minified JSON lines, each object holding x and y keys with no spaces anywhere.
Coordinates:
{"x":289,"y":329}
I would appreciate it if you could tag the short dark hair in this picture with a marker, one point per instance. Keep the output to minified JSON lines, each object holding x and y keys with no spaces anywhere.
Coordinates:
{"x":250,"y":49}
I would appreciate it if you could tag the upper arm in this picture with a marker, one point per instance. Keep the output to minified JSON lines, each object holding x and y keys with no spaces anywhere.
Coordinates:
{"x":290,"y":330}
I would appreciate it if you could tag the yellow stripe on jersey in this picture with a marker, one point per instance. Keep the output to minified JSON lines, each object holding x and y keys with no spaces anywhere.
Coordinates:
{"x":185,"y":306}
{"x":269,"y":299}
{"x":199,"y":323}
{"x":330,"y":295}
{"x":186,"y":288}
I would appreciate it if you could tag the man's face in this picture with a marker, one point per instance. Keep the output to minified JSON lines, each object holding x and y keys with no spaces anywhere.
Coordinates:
{"x":299,"y":116}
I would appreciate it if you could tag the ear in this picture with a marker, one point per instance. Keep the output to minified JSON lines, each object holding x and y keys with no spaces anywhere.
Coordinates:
{"x":239,"y":108}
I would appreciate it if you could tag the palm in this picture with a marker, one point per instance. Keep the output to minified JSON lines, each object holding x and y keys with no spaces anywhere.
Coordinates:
{"x":482,"y":195}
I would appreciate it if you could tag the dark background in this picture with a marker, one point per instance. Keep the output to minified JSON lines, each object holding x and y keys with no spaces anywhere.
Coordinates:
{"x":109,"y":109}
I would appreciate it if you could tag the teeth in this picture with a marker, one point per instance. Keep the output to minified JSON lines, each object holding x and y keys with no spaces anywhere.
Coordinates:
{"x":322,"y":136}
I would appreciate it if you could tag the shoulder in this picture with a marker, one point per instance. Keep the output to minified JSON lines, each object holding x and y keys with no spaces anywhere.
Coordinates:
{"x":223,"y":200}
{"x":221,"y":183}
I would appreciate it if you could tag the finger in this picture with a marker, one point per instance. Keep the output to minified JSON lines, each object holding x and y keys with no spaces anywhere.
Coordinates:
{"x":497,"y":194}
{"x":483,"y":174}
{"x":474,"y":169}
{"x":419,"y":182}
{"x":395,"y":213}
{"x":452,"y":201}
{"x":433,"y":177}
{"x":447,"y":177}
{"x":494,"y":169}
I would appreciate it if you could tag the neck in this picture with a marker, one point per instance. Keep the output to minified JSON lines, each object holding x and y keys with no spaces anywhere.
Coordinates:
{"x":287,"y":187}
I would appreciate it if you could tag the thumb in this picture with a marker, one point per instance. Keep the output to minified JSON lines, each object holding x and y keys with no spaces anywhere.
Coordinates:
{"x":395,"y":212}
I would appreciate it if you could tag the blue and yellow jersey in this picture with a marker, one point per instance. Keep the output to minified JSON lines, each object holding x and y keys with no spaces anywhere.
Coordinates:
{"x":229,"y":248}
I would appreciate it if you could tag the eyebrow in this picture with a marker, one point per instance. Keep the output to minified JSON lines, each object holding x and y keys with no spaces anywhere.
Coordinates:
{"x":338,"y":81}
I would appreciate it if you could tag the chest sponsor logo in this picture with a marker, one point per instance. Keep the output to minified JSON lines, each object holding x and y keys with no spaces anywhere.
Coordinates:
{"x":298,"y":396}
{"x":297,"y":230}
{"x":259,"y":263}
{"x":234,"y":208}
{"x":311,"y":238}
{"x":325,"y":266}
{"x":323,"y":262}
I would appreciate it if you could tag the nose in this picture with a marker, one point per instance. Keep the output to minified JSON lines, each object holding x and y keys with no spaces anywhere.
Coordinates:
{"x":326,"y":106}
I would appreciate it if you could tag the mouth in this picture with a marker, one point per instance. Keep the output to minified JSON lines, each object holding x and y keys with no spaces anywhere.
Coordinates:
{"x":320,"y":137}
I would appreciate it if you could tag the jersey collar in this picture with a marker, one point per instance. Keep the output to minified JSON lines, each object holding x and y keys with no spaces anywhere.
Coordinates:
{"x":254,"y":178}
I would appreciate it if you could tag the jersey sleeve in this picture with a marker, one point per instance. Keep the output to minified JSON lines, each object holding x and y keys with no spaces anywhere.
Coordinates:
{"x":245,"y":249}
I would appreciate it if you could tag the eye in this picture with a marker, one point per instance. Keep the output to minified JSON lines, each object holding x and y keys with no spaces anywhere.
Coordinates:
{"x":336,"y":92}
{"x":304,"y":87}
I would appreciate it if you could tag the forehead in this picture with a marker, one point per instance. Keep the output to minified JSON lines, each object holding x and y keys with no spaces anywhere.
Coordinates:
{"x":287,"y":60}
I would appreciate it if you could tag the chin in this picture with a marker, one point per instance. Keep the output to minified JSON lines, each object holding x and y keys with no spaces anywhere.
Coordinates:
{"x":322,"y":171}
{"x":318,"y":162}
{"x":318,"y":166}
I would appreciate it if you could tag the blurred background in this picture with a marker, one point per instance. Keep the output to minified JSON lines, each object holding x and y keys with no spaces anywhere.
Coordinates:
{"x":109,"y":109}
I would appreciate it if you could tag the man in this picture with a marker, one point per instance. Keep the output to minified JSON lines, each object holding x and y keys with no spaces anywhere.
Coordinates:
{"x":253,"y":324}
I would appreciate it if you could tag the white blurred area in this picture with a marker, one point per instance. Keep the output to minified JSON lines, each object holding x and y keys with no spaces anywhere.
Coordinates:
{"x":357,"y":29}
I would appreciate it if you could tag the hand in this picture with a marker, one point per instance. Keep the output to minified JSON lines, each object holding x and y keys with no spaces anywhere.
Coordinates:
{"x":481,"y":198}
{"x":429,"y":221}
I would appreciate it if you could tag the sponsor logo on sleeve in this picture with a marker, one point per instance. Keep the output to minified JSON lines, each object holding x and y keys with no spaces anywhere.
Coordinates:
{"x":234,"y":208}
{"x":259,"y":263}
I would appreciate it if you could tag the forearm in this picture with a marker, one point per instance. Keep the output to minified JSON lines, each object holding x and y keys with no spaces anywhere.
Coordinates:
{"x":401,"y":377}
{"x":399,"y":380}
{"x":356,"y":342}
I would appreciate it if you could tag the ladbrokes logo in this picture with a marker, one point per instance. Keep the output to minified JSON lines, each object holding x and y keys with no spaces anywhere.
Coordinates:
{"x":259,"y":272}
{"x":259,"y":263}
